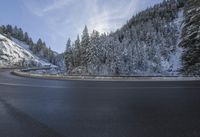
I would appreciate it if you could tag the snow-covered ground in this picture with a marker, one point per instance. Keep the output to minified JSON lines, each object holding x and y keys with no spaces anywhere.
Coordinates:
{"x":52,"y":71}
{"x":14,"y":53}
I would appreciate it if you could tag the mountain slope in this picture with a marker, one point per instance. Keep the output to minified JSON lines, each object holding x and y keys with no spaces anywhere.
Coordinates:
{"x":191,"y":38}
{"x":147,"y":45}
{"x":14,"y":54}
{"x":153,"y":36}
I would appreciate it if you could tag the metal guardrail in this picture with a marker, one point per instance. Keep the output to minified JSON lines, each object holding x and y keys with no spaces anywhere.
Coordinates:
{"x":34,"y":69}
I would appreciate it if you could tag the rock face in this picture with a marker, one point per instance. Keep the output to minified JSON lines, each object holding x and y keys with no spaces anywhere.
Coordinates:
{"x":13,"y":55}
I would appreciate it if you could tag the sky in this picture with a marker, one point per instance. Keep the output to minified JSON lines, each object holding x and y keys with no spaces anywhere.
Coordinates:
{"x":57,"y":20}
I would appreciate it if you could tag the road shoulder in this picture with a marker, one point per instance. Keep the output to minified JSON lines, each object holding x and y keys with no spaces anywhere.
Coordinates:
{"x":101,"y":78}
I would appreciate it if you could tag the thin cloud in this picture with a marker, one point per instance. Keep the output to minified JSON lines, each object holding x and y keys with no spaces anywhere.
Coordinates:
{"x":37,"y":10}
{"x":67,"y":18}
{"x":57,"y":4}
{"x":111,"y":18}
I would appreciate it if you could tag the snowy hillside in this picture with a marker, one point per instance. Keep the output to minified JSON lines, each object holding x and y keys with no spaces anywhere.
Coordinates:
{"x":14,"y":53}
{"x":190,"y":39}
{"x":148,"y":44}
{"x":174,"y":64}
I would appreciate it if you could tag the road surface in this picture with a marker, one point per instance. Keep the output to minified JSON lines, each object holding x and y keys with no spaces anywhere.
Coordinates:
{"x":50,"y":108}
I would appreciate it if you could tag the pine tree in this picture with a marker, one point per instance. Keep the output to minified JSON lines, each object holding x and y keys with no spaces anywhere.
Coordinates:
{"x":20,"y":34}
{"x":9,"y":29}
{"x":68,"y":56}
{"x":77,"y":52}
{"x":94,"y":44}
{"x":31,"y":44}
{"x":1,"y":30}
{"x":85,"y":47}
{"x":39,"y":45}
{"x":26,"y":37}
{"x":68,"y":45}
{"x":15,"y":31}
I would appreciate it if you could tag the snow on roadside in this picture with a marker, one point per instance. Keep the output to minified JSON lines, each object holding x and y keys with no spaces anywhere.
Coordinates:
{"x":52,"y":71}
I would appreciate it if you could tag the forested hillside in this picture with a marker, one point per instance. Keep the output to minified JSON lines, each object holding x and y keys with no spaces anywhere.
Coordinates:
{"x":191,"y":38}
{"x":149,"y":44}
{"x":161,"y":40}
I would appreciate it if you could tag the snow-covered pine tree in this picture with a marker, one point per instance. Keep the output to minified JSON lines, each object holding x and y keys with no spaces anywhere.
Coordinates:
{"x":20,"y":34}
{"x":191,"y":38}
{"x":94,"y":42}
{"x":69,"y":56}
{"x":77,"y":52}
{"x":26,"y":37}
{"x":85,"y":48}
{"x":39,"y":46}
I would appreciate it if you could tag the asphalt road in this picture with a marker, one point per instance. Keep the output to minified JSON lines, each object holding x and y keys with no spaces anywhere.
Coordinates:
{"x":49,"y":108}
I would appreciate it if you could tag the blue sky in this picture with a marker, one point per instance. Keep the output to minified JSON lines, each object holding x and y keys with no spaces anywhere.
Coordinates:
{"x":56,"y":20}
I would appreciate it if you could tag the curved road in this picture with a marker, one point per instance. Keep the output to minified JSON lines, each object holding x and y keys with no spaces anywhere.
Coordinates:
{"x":50,"y":108}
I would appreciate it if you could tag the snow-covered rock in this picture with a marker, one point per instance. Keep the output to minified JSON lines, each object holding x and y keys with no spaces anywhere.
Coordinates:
{"x":14,"y":53}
